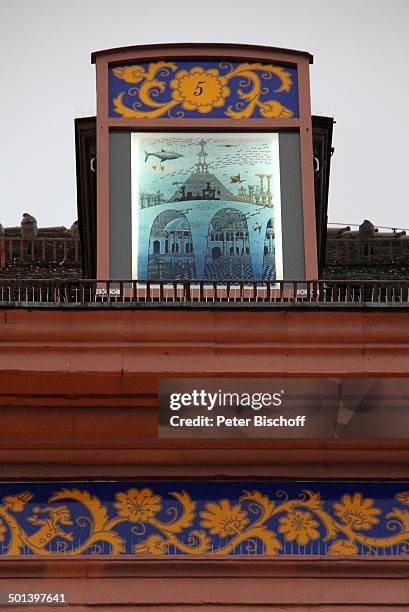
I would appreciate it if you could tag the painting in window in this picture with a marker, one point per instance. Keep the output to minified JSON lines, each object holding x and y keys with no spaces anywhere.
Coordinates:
{"x":206,"y":206}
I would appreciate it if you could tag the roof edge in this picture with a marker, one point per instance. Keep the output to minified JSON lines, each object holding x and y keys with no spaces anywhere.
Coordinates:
{"x":198,"y":45}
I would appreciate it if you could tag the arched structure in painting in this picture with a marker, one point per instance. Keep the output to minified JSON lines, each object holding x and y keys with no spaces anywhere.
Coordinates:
{"x":228,"y":247}
{"x":171,"y":254}
{"x":269,"y":260}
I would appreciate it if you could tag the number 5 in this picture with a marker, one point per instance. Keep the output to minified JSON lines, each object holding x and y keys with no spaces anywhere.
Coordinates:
{"x":199,"y":90}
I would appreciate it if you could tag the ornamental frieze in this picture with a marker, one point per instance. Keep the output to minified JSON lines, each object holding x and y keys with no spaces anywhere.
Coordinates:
{"x":216,"y":519}
{"x":203,"y":89}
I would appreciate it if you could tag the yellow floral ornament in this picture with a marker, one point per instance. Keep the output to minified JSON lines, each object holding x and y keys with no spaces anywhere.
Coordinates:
{"x":138,"y":505}
{"x":3,"y":530}
{"x":136,"y":74}
{"x":274,"y":109}
{"x":199,"y":89}
{"x":357,"y":512}
{"x":223,"y":519}
{"x":300,"y":526}
{"x":154,"y":545}
{"x":403,"y":497}
{"x":343,"y":548}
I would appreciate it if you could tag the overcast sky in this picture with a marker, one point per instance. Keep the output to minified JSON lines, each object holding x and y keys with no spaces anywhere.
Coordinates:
{"x":359,"y":76}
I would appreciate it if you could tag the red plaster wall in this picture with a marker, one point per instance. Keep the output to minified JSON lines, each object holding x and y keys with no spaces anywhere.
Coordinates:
{"x":254,"y":585}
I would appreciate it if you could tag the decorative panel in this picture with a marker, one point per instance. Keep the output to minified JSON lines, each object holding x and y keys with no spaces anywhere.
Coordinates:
{"x":206,"y":206}
{"x":203,"y":89}
{"x":205,"y":518}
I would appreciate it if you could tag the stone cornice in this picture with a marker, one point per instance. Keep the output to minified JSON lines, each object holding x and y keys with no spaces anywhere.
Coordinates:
{"x":79,"y":388}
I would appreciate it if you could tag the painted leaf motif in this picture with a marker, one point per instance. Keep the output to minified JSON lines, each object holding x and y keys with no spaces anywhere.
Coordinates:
{"x":330,"y":529}
{"x":113,"y":538}
{"x":188,"y":513}
{"x":401,"y":515}
{"x":271,"y":544}
{"x":154,"y":545}
{"x":314,"y":499}
{"x":135,"y":73}
{"x":125,"y":111}
{"x":403,"y":497}
{"x":261,"y":500}
{"x":274,"y":109}
{"x":200,"y":542}
{"x":343,"y":547}
{"x":281,"y":73}
{"x":130,"y":74}
{"x":3,"y":530}
{"x":146,"y":88}
{"x":244,"y":113}
{"x":286,"y":79}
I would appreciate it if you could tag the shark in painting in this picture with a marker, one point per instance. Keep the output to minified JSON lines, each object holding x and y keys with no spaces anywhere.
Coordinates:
{"x":162,"y":155}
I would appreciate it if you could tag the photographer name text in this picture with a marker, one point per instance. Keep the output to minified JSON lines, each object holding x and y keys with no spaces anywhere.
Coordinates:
{"x":223,"y":421}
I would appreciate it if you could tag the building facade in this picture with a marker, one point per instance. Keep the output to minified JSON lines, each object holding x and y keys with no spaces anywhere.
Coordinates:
{"x":97,"y":507}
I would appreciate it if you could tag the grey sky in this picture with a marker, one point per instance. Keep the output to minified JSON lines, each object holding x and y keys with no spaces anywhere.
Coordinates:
{"x":359,"y":75}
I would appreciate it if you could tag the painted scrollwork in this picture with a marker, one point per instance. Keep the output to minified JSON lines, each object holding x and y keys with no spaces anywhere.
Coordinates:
{"x":252,"y":523}
{"x":202,"y":90}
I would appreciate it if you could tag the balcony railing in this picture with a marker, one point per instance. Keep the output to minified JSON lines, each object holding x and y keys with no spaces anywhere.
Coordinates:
{"x":190,"y":293}
{"x":376,"y":251}
{"x":43,"y":250}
